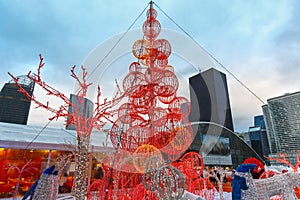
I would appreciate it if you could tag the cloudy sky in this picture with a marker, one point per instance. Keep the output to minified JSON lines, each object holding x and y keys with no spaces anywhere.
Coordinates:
{"x":258,"y":41}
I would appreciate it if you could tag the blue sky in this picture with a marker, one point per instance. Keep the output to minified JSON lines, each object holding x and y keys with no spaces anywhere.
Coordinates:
{"x":258,"y":41}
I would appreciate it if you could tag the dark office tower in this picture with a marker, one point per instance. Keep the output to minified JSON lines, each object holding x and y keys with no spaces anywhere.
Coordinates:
{"x":212,"y":121}
{"x":85,"y":108}
{"x":210,"y":99}
{"x":14,"y":106}
{"x":210,"y":105}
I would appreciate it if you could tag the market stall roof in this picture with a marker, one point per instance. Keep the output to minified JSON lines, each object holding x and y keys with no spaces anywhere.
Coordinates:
{"x":35,"y":137}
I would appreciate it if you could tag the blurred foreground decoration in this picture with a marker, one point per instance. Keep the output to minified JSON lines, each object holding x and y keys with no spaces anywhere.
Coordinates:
{"x":269,"y":185}
{"x":264,"y":189}
{"x":83,"y":125}
{"x":283,"y":159}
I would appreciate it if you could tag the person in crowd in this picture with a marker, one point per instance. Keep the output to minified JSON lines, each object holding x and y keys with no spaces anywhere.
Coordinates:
{"x":62,"y":187}
{"x":99,"y":173}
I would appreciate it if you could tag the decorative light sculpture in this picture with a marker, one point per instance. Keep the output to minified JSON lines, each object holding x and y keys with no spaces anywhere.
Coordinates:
{"x":153,"y":116}
{"x":152,"y":123}
{"x":170,"y":183}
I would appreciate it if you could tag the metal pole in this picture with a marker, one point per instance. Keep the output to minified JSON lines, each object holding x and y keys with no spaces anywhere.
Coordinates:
{"x":151,"y":5}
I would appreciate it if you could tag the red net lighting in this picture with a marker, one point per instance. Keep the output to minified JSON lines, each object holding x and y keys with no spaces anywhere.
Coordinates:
{"x":140,"y":193}
{"x":193,"y":164}
{"x":135,"y":67}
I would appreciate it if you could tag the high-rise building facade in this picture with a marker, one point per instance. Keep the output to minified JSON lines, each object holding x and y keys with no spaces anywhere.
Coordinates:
{"x":282,"y":116}
{"x":269,"y":128}
{"x":211,"y":112}
{"x":14,"y":106}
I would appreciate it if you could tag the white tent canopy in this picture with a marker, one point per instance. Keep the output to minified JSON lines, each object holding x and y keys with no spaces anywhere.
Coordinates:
{"x":35,"y":137}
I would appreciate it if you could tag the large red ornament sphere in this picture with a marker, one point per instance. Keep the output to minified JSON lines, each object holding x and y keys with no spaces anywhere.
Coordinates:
{"x":168,"y":84}
{"x":141,"y":49}
{"x":151,"y":13}
{"x":133,"y":81}
{"x":158,"y":116}
{"x":134,"y":137}
{"x":151,"y":28}
{"x":163,"y":49}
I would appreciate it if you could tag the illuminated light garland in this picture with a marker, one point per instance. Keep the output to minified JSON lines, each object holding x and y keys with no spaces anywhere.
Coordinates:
{"x":268,"y":174}
{"x":47,"y":186}
{"x":140,"y":193}
{"x":81,"y":158}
